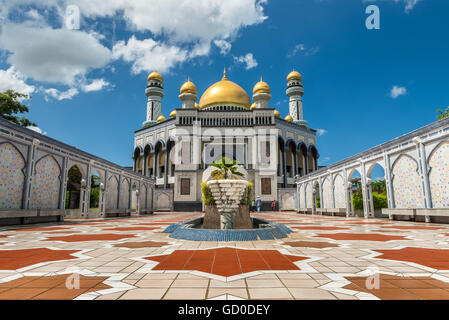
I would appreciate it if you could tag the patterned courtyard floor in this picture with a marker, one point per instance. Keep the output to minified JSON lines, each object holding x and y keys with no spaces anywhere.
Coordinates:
{"x":324,"y":258}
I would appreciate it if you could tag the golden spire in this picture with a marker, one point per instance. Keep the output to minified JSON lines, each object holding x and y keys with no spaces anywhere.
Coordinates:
{"x":225,"y":76}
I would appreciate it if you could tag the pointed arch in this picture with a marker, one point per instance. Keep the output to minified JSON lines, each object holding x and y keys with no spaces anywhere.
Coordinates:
{"x":406,"y":181}
{"x":46,"y":183}
{"x":112,"y":192}
{"x":438,"y":162}
{"x":12,"y":176}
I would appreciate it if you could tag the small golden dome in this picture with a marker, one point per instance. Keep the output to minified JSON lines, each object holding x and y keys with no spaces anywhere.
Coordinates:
{"x":253,"y":106}
{"x":197,"y":106}
{"x":155,"y":76}
{"x":294,"y":75}
{"x":173,"y":114}
{"x":161,"y":119}
{"x":277,"y":114}
{"x":288,"y":118}
{"x":188,"y":87}
{"x":225,"y":92}
{"x":261,"y":87}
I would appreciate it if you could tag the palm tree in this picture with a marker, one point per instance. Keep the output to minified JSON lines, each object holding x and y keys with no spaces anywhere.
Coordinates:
{"x":226,"y":169}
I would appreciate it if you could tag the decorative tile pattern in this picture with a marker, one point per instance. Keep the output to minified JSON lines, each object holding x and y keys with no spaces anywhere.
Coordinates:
{"x":11,"y":177}
{"x":439,"y":176}
{"x":301,"y":266}
{"x":226,"y":262}
{"x":407,"y":186}
{"x":46,"y":184}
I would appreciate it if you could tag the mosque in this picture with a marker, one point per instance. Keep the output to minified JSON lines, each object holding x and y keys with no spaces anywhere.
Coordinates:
{"x":225,"y":122}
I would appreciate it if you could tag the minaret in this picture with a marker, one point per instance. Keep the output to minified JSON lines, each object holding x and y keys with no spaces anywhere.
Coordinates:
{"x":261,"y":94}
{"x":154,"y":92}
{"x":295,"y":92}
{"x":188,"y":95}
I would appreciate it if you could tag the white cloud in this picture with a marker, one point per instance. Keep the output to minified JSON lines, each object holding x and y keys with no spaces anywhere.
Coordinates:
{"x":187,"y":27}
{"x":14,"y":80}
{"x":60,"y":95}
{"x":182,"y":21}
{"x":397,"y":91}
{"x":248,"y":60}
{"x":53,"y":55}
{"x":148,"y":55}
{"x":224,"y":46}
{"x":37,"y":129}
{"x":409,"y":4}
{"x":95,"y":85}
{"x":321,"y":132}
{"x":301,"y":48}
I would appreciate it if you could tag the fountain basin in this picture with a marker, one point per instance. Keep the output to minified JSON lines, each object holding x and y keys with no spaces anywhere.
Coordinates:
{"x":262,"y":230}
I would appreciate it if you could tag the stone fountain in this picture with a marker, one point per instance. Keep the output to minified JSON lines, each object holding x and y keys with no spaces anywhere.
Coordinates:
{"x":228,"y":195}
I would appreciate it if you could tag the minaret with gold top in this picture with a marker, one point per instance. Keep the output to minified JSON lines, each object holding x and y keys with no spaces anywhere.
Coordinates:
{"x":188,"y":94}
{"x":261,"y":94}
{"x":154,"y":92}
{"x":295,"y":91}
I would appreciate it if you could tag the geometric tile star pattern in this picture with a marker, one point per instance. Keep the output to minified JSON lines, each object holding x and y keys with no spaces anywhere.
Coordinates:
{"x":226,"y":262}
{"x":433,"y":258}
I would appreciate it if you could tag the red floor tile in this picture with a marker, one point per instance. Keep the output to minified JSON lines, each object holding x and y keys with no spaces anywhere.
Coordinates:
{"x":132,"y":228}
{"x":361,"y":236}
{"x":16,"y":259}
{"x":319,"y":228}
{"x":89,"y":237}
{"x":433,"y":258}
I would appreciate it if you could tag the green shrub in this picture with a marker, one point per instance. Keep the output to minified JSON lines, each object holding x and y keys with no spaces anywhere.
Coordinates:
{"x":207,"y":194}
{"x":318,"y":203}
{"x":380,"y":200}
{"x":357,"y":201}
{"x":247,"y":200}
{"x":94,"y":197}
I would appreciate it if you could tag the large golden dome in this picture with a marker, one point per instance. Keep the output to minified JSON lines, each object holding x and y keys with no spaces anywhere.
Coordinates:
{"x":225,"y":92}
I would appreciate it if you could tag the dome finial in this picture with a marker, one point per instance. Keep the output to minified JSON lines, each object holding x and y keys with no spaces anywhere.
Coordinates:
{"x":225,"y":76}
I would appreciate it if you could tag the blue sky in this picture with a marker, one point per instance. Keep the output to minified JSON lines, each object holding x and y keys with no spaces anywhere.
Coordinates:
{"x":88,"y":85}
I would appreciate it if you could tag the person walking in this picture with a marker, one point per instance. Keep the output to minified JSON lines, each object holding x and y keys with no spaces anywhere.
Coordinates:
{"x":258,"y":204}
{"x":273,"y":205}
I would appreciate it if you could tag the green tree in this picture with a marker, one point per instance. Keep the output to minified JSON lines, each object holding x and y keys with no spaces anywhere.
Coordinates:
{"x":379,"y":186}
{"x":226,"y":169}
{"x":443,"y":114}
{"x":11,"y":108}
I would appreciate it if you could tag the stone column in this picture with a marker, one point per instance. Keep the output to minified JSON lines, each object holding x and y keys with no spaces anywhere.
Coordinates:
{"x":119,"y":190}
{"x":320,"y":185}
{"x":62,"y":185}
{"x":28,"y":181}
{"x":166,"y":168}
{"x":366,"y":193}
{"x":284,"y":168}
{"x":332,"y":191}
{"x":424,"y":172}
{"x":388,"y":182}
